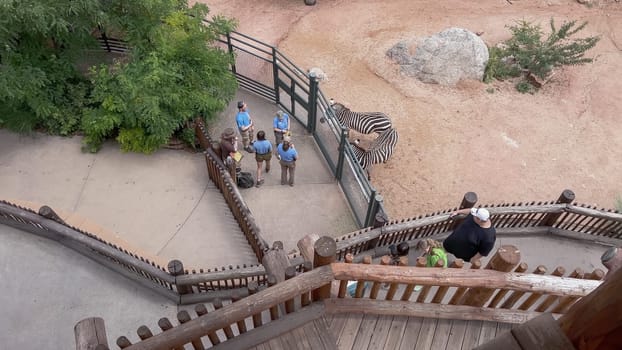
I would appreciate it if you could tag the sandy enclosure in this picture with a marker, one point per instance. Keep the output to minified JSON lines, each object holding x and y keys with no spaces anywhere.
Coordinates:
{"x":486,"y":138}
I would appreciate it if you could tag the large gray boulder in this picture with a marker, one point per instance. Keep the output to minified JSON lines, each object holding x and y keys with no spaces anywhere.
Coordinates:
{"x":444,"y":58}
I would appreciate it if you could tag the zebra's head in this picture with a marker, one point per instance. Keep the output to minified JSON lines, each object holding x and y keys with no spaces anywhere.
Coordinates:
{"x":332,"y":104}
{"x":337,"y":107}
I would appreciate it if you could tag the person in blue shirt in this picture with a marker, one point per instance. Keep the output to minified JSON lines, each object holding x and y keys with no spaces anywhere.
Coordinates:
{"x":281,"y":126}
{"x":289,"y":156}
{"x":263,"y":152}
{"x":245,"y":126}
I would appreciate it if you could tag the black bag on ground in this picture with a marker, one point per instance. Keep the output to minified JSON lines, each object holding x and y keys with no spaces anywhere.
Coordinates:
{"x":245,"y":180}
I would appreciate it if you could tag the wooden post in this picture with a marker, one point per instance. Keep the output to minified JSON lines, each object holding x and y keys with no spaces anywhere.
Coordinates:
{"x":459,"y":293}
{"x":522,"y":267}
{"x":304,"y":298}
{"x":425,"y":290}
{"x":565,"y":198}
{"x":408,"y":291}
{"x":89,"y":333}
{"x":144,"y":332}
{"x":275,"y":261}
{"x":324,"y":251}
{"x":559,"y":271}
{"x":253,"y":288}
{"x":380,"y":219}
{"x":241,"y":323}
{"x":305,"y":245}
{"x":516,"y":295}
{"x":442,"y":290}
{"x":123,"y":342}
{"x":468,"y":201}
{"x":201,"y":310}
{"x":227,"y":329}
{"x":343,"y":285}
{"x":612,"y":260}
{"x":505,"y":259}
{"x":375,"y":288}
{"x":360,"y":284}
{"x":183,"y":316}
{"x":595,"y":321}
{"x":290,"y":305}
{"x":176,"y":268}
{"x":393,"y":286}
{"x":49,"y":213}
{"x":165,"y":325}
{"x":274,"y":310}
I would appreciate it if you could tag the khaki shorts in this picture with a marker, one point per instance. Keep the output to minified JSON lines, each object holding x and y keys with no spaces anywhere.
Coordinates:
{"x":261,"y":157}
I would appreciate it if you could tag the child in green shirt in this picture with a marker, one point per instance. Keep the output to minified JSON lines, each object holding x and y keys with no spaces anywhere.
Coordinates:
{"x":433,"y":251}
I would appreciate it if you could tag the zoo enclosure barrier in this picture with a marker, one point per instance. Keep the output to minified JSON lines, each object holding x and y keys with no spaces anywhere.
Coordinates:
{"x":558,"y":218}
{"x":503,"y":294}
{"x":175,"y":283}
{"x":264,"y":71}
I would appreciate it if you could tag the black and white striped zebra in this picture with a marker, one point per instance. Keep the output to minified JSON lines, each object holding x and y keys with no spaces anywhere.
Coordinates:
{"x":362,"y":122}
{"x":379,"y":151}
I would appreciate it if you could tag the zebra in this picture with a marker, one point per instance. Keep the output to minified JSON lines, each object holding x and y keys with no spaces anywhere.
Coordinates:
{"x":362,"y":122}
{"x":379,"y":151}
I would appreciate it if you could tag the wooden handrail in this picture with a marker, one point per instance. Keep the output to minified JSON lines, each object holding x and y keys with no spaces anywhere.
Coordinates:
{"x":228,"y":315}
{"x":551,"y":285}
{"x":63,"y":232}
{"x":245,"y":272}
{"x":345,"y":241}
{"x":594,"y":213}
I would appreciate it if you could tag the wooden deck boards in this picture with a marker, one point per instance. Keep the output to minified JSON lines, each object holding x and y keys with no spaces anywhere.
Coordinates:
{"x":373,"y":332}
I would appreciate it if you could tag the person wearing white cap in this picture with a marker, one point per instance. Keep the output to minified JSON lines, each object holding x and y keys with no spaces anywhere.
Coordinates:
{"x":474,"y":237}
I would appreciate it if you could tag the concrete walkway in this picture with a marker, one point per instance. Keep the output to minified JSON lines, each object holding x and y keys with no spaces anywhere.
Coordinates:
{"x":161,"y":206}
{"x":165,"y":207}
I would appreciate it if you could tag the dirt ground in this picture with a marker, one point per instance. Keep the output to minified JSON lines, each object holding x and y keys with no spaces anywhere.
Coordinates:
{"x":503,"y":145}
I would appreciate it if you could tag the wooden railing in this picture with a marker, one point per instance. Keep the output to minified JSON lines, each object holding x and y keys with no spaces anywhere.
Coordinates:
{"x":567,"y":220}
{"x":221,"y":176}
{"x":276,"y":310}
{"x":177,"y":284}
{"x":544,"y":218}
{"x":140,"y":270}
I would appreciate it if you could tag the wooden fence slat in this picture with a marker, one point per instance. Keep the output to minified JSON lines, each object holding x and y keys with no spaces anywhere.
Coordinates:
{"x":559,"y":271}
{"x":516,"y":295}
{"x":442,"y":290}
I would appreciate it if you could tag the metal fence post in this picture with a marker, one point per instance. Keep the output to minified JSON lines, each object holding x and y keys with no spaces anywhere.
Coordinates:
{"x":230,"y":47}
{"x":312,"y":111}
{"x":275,"y":74}
{"x":342,"y":152}
{"x":372,"y":208}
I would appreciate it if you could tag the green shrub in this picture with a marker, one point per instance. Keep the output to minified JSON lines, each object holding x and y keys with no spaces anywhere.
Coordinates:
{"x":528,"y":52}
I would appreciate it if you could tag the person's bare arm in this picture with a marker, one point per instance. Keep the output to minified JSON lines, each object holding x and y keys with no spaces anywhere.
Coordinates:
{"x":464,"y":211}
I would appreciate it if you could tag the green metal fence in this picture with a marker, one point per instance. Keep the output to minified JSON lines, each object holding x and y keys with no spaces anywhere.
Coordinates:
{"x":262,"y":70}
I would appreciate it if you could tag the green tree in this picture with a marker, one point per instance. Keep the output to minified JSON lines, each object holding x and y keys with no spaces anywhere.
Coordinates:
{"x":172,"y":73}
{"x":39,"y":41}
{"x":171,"y":77}
{"x":528,"y":52}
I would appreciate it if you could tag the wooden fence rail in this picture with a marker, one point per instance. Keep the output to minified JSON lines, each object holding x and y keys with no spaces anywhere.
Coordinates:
{"x":221,"y":177}
{"x":277,"y":304}
{"x":561,"y":218}
{"x":568,"y":220}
